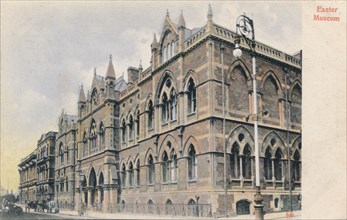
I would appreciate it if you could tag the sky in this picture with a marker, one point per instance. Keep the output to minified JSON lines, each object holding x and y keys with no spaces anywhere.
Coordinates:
{"x":48,"y":49}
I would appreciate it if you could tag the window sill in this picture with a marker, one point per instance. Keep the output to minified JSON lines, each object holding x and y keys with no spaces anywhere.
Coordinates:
{"x":150,"y":129}
{"x":192,"y":181}
{"x":173,"y":121}
{"x":164,"y":123}
{"x":150,"y":184}
{"x":191,"y":114}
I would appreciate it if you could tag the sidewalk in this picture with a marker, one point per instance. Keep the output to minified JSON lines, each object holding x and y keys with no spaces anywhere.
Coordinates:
{"x":101,"y":215}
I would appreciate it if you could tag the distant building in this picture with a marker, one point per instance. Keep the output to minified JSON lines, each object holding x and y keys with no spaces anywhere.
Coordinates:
{"x":154,"y":144}
{"x":65,"y":160}
{"x":27,"y":178}
{"x":45,"y":165}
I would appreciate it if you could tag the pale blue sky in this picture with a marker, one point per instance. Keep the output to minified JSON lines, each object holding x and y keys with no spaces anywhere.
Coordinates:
{"x":48,"y":49}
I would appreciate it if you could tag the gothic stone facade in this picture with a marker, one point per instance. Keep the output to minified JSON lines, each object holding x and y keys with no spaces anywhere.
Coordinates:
{"x":156,"y":141}
{"x":159,"y":140}
{"x":66,"y":160}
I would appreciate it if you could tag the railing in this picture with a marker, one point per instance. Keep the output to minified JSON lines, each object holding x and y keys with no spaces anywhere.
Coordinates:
{"x":194,"y":38}
{"x":197,"y":210}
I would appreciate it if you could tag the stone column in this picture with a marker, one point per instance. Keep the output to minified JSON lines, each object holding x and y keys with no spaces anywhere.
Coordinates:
{"x":89,"y":197}
{"x":273,"y":168}
{"x":253,"y":171}
{"x":99,"y":195}
{"x":241,"y":170}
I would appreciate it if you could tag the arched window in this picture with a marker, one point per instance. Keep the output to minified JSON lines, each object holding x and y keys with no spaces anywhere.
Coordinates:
{"x":93,"y":136}
{"x":138,"y":124}
{"x":295,"y":107}
{"x":67,"y":153}
{"x":276,"y":203}
{"x":165,"y":167}
{"x":123,"y":176}
{"x":239,"y":99}
{"x":168,"y":207}
{"x":296,"y":167}
{"x":94,"y":97}
{"x":150,"y":206}
{"x":173,"y":105}
{"x":164,"y":108}
{"x":173,"y":165}
{"x":101,"y":185}
{"x":150,"y":114}
{"x":278,"y":165}
{"x":235,"y":161}
{"x":85,"y":144}
{"x":270,"y":98}
{"x":138,"y":173}
{"x":150,"y":170}
{"x":61,"y":154}
{"x":242,"y":207}
{"x":268,"y":164}
{"x":246,"y":163}
{"x":123,"y":131}
{"x":131,"y":127}
{"x":67,"y":184}
{"x":191,"y":96}
{"x":131,"y":174}
{"x":102,"y":136}
{"x":192,"y":166}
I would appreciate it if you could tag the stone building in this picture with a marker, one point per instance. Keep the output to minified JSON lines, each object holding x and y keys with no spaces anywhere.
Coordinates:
{"x":66,"y":160}
{"x":27,"y":178}
{"x":45,"y":165}
{"x":163,"y":132}
{"x":154,"y":144}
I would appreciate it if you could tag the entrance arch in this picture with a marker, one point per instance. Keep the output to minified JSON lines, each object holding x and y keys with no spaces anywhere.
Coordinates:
{"x":92,"y":185}
{"x":242,"y":207}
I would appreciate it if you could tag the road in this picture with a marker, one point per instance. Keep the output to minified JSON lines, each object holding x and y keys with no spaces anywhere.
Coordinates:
{"x":35,"y":215}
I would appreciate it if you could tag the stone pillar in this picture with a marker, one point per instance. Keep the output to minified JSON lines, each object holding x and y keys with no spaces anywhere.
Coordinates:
{"x":253,"y":171}
{"x":106,"y":202}
{"x":89,"y":197}
{"x":273,"y":168}
{"x":241,"y":170}
{"x":99,"y":196}
{"x":258,"y":200}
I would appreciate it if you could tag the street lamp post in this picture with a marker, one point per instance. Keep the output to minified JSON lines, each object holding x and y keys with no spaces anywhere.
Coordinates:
{"x":244,"y":26}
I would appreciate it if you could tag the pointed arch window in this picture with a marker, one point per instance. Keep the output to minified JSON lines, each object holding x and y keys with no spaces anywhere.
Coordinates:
{"x":235,"y":161}
{"x":131,"y":174}
{"x":123,"y":176}
{"x":85,"y":144}
{"x":268,"y":164}
{"x":278,"y":165}
{"x":164,"y":108}
{"x":131,"y":127}
{"x":67,"y":153}
{"x":165,"y":167}
{"x":67,"y":184}
{"x":123,"y":131}
{"x":93,"y":136}
{"x":173,"y":105}
{"x":246,"y":163}
{"x":192,"y":163}
{"x":173,"y":166}
{"x":151,"y":172}
{"x":296,"y":170}
{"x":138,"y":124}
{"x":150,"y":114}
{"x":191,"y":96}
{"x":102,"y":136}
{"x":138,"y":173}
{"x":61,"y":154}
{"x":101,"y":185}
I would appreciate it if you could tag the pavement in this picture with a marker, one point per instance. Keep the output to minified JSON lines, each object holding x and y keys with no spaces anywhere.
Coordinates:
{"x":101,"y":215}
